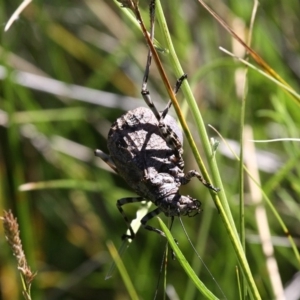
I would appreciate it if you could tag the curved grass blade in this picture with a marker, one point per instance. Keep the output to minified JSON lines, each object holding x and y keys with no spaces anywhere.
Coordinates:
{"x":259,"y":60}
{"x":185,"y":265}
{"x":125,"y":276}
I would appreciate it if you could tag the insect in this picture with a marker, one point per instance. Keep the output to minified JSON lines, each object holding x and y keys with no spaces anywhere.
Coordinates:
{"x":145,"y":148}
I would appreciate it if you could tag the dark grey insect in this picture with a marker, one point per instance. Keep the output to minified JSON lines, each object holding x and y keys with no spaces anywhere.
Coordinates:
{"x":145,"y":148}
{"x":142,"y":156}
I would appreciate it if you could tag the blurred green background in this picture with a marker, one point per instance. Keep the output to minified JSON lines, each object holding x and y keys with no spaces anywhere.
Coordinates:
{"x":68,"y":70}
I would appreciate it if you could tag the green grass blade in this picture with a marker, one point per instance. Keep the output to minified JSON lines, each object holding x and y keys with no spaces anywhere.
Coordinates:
{"x":125,"y":276}
{"x":185,"y":265}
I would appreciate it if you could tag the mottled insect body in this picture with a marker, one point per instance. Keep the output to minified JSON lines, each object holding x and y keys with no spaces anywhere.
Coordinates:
{"x":137,"y":148}
{"x":143,"y":158}
{"x":146,"y":150}
{"x":141,"y":155}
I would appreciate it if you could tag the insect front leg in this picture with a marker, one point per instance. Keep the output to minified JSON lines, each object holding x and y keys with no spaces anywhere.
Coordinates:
{"x":193,"y":173}
{"x":122,"y":202}
{"x":150,"y":216}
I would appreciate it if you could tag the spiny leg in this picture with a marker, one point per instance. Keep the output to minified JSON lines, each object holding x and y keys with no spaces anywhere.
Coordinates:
{"x":193,"y":173}
{"x":106,"y":158}
{"x":175,"y":90}
{"x":122,"y":202}
{"x":168,"y":134}
{"x":170,"y":138}
{"x":144,"y":220}
{"x":150,"y":216}
{"x":145,"y":92}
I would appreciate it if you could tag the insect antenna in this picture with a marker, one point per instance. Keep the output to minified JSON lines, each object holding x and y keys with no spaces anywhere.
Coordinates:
{"x":200,"y":258}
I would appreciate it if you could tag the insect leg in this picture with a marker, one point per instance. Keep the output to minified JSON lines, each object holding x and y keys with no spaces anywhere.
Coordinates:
{"x":122,"y":202}
{"x":145,"y":92}
{"x":193,"y":173}
{"x":106,"y":158}
{"x":175,"y":90}
{"x":151,"y":215}
{"x":148,"y":217}
{"x":169,"y":136}
{"x":167,"y":133}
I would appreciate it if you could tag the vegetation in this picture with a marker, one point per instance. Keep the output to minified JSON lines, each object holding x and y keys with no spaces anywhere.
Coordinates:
{"x":69,"y":69}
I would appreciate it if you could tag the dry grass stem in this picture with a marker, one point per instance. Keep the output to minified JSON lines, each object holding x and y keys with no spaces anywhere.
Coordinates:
{"x":12,"y":234}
